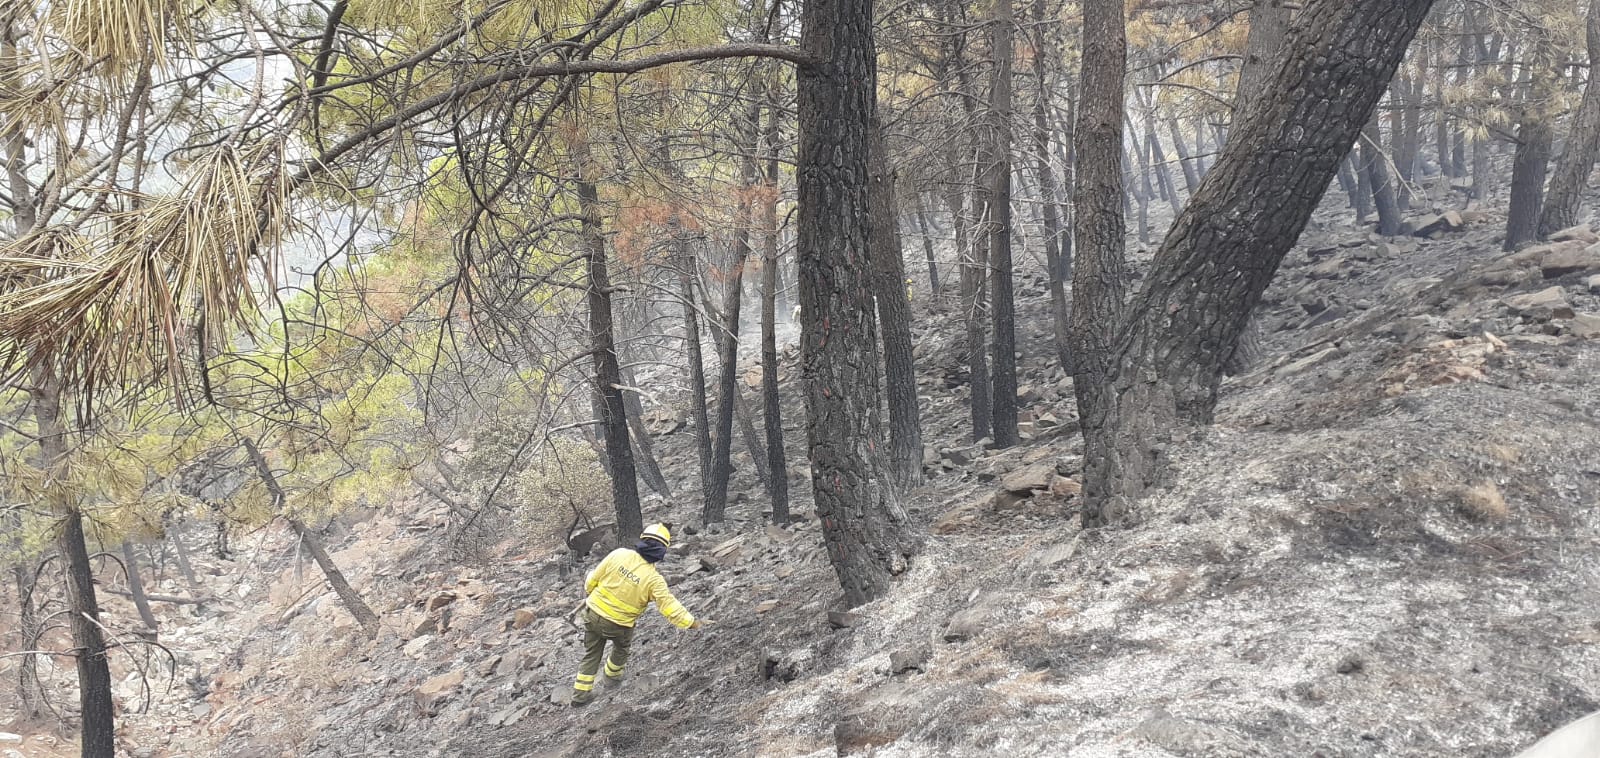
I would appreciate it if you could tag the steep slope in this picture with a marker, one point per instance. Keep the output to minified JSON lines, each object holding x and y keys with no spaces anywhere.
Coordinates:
{"x":1387,"y":546}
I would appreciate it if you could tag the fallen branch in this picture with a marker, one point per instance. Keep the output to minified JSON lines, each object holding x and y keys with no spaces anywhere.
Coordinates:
{"x":53,"y":653}
{"x":174,"y":599}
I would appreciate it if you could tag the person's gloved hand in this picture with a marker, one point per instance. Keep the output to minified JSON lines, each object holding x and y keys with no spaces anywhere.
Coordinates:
{"x":698,"y":624}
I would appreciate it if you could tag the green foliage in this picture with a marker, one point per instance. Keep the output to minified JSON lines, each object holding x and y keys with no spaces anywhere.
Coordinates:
{"x":536,"y":488}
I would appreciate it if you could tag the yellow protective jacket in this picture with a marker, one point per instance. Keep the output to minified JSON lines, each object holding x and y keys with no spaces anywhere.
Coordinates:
{"x":625,"y":583}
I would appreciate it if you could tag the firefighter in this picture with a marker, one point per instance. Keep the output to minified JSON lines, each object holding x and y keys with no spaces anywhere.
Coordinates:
{"x":619,"y":590}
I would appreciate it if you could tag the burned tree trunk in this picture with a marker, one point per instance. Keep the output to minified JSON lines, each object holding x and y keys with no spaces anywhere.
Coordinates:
{"x":1222,"y":252}
{"x":752,"y":439}
{"x":1355,"y":189}
{"x":29,"y":692}
{"x":771,"y":410}
{"x":1049,"y":187}
{"x":1191,"y":175}
{"x":141,"y":603}
{"x":1099,"y":274}
{"x":602,"y":343}
{"x":975,"y":305}
{"x":1407,"y":137}
{"x":353,"y":603}
{"x":1528,"y":170}
{"x":894,"y":317}
{"x":365,"y":618}
{"x":1440,"y":112}
{"x":1376,"y":169}
{"x":1535,"y":137}
{"x":174,"y":534}
{"x":1143,"y":193}
{"x":927,"y":248}
{"x":1003,"y":354}
{"x":649,"y":469}
{"x":98,"y":731}
{"x":1571,"y":180}
{"x":1269,"y":26}
{"x":728,"y":335}
{"x":727,"y":340}
{"x":1158,"y":161}
{"x":862,"y":520}
{"x":697,"y":368}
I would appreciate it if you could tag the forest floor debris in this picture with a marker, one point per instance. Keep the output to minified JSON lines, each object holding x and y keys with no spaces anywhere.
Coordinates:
{"x":1387,"y":545}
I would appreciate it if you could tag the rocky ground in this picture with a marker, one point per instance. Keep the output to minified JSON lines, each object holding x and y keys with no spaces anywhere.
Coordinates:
{"x":1386,"y":546}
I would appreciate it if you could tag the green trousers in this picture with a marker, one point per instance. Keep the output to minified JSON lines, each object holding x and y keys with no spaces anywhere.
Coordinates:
{"x":597,"y":631}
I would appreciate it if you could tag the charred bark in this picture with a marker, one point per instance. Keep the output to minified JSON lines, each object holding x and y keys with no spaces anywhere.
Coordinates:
{"x":141,"y":602}
{"x":771,"y":410}
{"x":603,"y":347}
{"x":1529,"y":167}
{"x":894,"y":318}
{"x":700,"y":412}
{"x":1226,"y":246}
{"x":1099,"y":272}
{"x":351,"y":599}
{"x":644,"y":449}
{"x":1376,"y":169}
{"x":1269,"y":26}
{"x":1003,"y":359}
{"x":1355,"y":189}
{"x":862,"y":520}
{"x":98,"y":726}
{"x":927,"y":248}
{"x":30,"y":694}
{"x":1049,"y":187}
{"x":727,"y":340}
{"x":1191,"y":174}
{"x":1571,"y":177}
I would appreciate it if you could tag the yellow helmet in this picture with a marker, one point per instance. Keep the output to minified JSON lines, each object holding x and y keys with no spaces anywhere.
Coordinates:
{"x":659,"y":533}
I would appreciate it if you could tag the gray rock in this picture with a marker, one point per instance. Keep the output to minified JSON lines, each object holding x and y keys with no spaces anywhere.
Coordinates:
{"x":1568,"y":259}
{"x":901,"y":661}
{"x":1309,"y":361}
{"x":1029,"y":478}
{"x":1058,"y":554}
{"x":965,"y":625}
{"x":958,"y":457}
{"x":1332,"y":268}
{"x":842,"y":619}
{"x":1580,"y":233}
{"x":1585,"y":326}
{"x":1184,"y":737}
{"x":1432,"y":226}
{"x":510,"y":663}
{"x":415,"y":647}
{"x":1325,"y":317}
{"x":509,"y":716}
{"x":1505,"y":276}
{"x":1539,"y":305}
